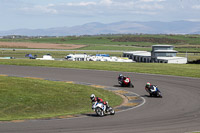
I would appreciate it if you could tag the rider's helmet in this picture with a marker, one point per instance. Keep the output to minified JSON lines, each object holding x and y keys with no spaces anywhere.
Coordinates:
{"x":92,"y":97}
{"x":120,"y":75}
{"x":148,"y":84}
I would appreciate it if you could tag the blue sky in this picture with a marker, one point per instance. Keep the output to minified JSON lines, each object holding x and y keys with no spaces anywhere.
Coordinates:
{"x":40,"y":14}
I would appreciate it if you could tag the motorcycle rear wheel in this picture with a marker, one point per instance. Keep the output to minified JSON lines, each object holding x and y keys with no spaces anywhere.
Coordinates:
{"x":112,"y":112}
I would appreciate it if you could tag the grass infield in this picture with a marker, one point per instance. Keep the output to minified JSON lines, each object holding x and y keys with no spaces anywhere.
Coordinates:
{"x":24,"y":98}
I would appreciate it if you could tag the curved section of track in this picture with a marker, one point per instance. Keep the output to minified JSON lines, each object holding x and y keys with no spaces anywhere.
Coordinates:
{"x":177,"y":112}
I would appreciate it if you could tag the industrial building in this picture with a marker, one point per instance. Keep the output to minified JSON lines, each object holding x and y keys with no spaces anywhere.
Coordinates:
{"x":159,"y":54}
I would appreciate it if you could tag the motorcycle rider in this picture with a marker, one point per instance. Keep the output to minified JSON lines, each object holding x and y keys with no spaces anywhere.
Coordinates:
{"x":99,"y":100}
{"x":121,"y":77}
{"x":150,"y":88}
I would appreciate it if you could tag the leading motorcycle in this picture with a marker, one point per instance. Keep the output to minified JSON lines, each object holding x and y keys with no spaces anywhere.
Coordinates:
{"x":101,"y":109}
{"x":125,"y":82}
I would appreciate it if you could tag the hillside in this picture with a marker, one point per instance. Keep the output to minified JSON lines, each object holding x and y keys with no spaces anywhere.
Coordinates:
{"x":124,"y":27}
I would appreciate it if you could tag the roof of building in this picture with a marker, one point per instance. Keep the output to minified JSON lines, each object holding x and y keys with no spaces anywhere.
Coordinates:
{"x":143,"y":54}
{"x":170,"y":58}
{"x":166,"y":51}
{"x":134,"y":52}
{"x":139,"y":53}
{"x":162,"y":45}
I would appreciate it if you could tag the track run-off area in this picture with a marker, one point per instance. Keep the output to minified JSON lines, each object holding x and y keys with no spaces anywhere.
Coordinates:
{"x":177,"y":112}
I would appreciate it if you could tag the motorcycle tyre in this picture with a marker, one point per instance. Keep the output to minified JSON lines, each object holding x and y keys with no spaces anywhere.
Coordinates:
{"x":131,"y":85}
{"x":112,"y":112}
{"x":101,"y":114}
{"x":159,"y":95}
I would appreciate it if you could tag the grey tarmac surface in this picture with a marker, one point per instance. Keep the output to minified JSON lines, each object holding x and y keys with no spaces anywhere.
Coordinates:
{"x":177,"y":112}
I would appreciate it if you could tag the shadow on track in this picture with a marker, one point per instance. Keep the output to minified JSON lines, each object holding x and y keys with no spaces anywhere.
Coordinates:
{"x":117,"y":86}
{"x":148,"y":96}
{"x":91,"y":115}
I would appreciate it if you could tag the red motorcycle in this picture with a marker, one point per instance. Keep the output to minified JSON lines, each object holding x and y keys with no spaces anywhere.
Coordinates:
{"x":125,"y":82}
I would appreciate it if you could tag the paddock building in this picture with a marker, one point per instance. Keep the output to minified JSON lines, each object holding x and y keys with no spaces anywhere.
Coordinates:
{"x":159,"y":54}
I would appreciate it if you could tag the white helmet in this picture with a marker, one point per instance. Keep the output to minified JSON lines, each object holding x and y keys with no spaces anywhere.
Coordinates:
{"x":92,"y":97}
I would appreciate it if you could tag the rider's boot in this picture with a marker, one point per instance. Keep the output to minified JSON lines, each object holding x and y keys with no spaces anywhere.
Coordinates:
{"x":107,"y":107}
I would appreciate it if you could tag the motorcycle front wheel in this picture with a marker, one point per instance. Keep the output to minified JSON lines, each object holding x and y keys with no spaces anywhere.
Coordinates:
{"x":131,"y":85}
{"x":99,"y":112}
{"x":112,"y":112}
{"x":159,"y":95}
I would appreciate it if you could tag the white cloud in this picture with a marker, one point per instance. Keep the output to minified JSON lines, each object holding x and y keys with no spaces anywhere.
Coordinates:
{"x":46,"y":9}
{"x":39,"y":8}
{"x":152,"y":0}
{"x":87,"y":3}
{"x":81,"y":4}
{"x":193,"y":20}
{"x":106,"y":2}
{"x":150,"y":7}
{"x":196,"y":7}
{"x":90,"y":3}
{"x":97,"y":8}
{"x":144,"y":13}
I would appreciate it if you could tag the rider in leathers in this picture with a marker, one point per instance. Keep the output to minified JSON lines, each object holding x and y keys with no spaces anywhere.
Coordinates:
{"x":121,"y":78}
{"x":99,"y":100}
{"x":150,"y":88}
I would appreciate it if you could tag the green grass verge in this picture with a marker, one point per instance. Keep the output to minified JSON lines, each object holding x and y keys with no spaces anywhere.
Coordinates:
{"x":56,"y":54}
{"x":190,"y":56}
{"x":111,"y":47}
{"x":108,"y":39}
{"x":187,"y":70}
{"x":99,"y":42}
{"x":23,"y":98}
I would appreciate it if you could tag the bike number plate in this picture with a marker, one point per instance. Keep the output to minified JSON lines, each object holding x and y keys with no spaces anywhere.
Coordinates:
{"x":126,"y":80}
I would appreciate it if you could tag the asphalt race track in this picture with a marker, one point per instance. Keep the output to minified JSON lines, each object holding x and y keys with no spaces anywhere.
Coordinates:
{"x":177,"y":112}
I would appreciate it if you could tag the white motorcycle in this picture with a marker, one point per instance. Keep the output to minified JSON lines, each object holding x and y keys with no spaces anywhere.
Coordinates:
{"x":101,"y":109}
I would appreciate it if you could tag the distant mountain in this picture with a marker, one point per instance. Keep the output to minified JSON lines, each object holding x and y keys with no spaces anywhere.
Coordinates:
{"x":124,"y":27}
{"x":198,"y":32}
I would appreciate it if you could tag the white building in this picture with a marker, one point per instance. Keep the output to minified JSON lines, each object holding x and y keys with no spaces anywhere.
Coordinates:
{"x":138,"y":56}
{"x":159,"y":54}
{"x":46,"y":57}
{"x":77,"y":57}
{"x":85,"y":57}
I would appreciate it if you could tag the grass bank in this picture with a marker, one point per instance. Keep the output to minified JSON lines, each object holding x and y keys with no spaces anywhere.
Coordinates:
{"x":183,"y":43}
{"x":187,"y":70}
{"x":23,"y":98}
